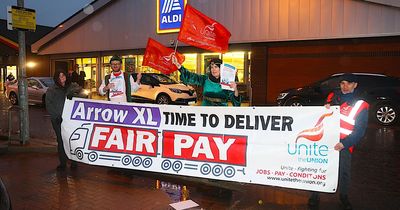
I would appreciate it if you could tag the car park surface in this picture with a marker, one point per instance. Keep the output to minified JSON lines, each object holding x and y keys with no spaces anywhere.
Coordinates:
{"x":380,"y":91}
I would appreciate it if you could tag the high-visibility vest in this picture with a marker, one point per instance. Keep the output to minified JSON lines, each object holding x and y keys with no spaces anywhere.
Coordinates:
{"x":348,"y":115}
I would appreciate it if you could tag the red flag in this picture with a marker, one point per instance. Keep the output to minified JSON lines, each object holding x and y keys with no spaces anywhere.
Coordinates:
{"x":159,"y":57}
{"x":201,"y":31}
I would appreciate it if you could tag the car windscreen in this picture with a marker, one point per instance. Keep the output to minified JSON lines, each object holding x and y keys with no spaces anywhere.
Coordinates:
{"x":163,"y":79}
{"x":48,"y":82}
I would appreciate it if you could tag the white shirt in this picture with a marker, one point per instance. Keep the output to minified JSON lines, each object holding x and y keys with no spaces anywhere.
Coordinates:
{"x":117,"y":93}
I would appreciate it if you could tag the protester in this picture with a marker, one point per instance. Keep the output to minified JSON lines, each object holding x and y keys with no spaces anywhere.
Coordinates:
{"x":72,"y":75}
{"x":81,"y":80}
{"x":55,"y":99}
{"x":10,"y":77}
{"x":9,"y":80}
{"x":213,"y":94}
{"x":353,"y":123}
{"x":131,"y":69}
{"x":118,"y":86}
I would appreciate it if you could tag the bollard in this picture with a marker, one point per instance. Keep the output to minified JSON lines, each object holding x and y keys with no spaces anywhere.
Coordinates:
{"x":17,"y":112}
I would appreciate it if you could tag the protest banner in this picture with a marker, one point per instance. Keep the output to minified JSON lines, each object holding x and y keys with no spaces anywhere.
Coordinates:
{"x":279,"y":146}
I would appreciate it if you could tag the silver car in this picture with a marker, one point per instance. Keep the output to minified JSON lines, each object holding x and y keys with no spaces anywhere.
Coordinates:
{"x":37,"y":87}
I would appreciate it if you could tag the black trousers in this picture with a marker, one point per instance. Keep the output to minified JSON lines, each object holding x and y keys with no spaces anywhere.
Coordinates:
{"x":62,"y":157}
{"x":344,"y":172}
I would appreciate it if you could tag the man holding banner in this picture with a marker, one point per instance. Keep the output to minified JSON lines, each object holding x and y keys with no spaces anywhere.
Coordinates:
{"x":118,"y":86}
{"x":353,"y":123}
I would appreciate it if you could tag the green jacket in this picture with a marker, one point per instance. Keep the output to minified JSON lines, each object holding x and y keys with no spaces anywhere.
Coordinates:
{"x":213,"y":94}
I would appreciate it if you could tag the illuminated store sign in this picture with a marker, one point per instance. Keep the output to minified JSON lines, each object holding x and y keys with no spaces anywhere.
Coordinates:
{"x":169,"y":15}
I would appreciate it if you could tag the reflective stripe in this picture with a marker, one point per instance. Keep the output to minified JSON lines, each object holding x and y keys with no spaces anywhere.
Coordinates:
{"x":347,"y":119}
{"x":345,"y":131}
{"x":355,"y":109}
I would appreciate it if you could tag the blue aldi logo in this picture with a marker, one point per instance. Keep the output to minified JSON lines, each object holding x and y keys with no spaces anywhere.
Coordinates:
{"x":169,"y":15}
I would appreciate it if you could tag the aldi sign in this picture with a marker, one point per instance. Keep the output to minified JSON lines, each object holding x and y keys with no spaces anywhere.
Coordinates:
{"x":169,"y":15}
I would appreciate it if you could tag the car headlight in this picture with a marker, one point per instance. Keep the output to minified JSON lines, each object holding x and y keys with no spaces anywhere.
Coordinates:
{"x":175,"y":90}
{"x":282,"y":95}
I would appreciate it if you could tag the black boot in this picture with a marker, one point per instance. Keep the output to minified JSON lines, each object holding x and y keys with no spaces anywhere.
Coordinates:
{"x":74,"y":165}
{"x":313,"y":201}
{"x":61,"y":167}
{"x":345,"y":202}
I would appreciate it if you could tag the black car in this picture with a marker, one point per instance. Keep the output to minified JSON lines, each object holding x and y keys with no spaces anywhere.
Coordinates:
{"x":380,"y":91}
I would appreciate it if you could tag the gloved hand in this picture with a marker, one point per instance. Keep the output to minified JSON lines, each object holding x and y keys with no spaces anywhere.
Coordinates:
{"x":69,"y":96}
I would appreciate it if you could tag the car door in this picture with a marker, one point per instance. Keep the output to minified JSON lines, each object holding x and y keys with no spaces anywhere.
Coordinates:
{"x":34,"y":91}
{"x":323,"y":88}
{"x":147,"y":88}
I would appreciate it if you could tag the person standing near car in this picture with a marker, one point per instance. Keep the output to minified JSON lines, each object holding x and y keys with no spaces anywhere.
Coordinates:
{"x":118,"y":85}
{"x":72,"y":75}
{"x":9,"y":80}
{"x":55,"y":99}
{"x":353,"y":123}
{"x":213,"y":94}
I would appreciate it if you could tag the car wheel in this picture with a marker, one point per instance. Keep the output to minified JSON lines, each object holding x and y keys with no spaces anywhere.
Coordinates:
{"x":293,"y":102}
{"x":13,"y":98}
{"x":385,"y":114}
{"x":163,"y":99}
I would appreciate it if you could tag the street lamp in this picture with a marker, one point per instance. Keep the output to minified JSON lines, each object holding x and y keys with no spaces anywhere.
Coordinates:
{"x":30,"y":64}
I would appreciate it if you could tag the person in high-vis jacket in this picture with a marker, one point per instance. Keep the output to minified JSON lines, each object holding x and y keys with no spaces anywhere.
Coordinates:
{"x":118,"y":86}
{"x":353,"y":123}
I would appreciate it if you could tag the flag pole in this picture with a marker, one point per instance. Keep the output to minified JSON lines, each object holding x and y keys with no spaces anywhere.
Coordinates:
{"x":176,"y":45}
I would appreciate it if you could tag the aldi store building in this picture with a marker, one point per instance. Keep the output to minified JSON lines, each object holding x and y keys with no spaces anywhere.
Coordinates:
{"x":275,"y":45}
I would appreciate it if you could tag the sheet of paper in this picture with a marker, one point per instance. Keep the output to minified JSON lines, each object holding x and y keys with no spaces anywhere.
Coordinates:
{"x":184,"y":205}
{"x":228,"y":74}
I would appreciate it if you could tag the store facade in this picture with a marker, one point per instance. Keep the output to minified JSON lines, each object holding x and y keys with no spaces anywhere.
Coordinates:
{"x":274,"y":44}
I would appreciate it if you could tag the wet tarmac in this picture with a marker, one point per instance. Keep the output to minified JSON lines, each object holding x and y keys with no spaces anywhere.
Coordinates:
{"x":33,"y":182}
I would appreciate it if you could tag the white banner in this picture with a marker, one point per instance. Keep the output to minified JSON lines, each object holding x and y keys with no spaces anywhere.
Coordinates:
{"x":280,"y":146}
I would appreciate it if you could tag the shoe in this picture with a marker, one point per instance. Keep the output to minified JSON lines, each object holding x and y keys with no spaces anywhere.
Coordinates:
{"x":313,"y":201}
{"x":345,"y":202}
{"x":61,"y":167}
{"x":74,"y":165}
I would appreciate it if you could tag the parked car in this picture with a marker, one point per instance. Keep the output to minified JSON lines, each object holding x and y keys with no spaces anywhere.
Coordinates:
{"x":162,"y":89}
{"x":380,"y":91}
{"x":36,"y":90}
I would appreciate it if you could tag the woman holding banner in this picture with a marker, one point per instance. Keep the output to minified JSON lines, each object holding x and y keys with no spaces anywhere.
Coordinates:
{"x":213,"y":94}
{"x":55,"y":99}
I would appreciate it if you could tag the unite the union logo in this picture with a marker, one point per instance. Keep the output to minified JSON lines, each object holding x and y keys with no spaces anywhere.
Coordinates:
{"x":208,"y":32}
{"x":167,"y":58}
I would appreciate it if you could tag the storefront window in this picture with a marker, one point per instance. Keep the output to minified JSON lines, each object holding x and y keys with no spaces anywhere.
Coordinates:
{"x":205,"y":60}
{"x":144,"y":69}
{"x":129,"y":63}
{"x":12,"y":70}
{"x":190,"y":64}
{"x":236,"y":59}
{"x":88,"y":67}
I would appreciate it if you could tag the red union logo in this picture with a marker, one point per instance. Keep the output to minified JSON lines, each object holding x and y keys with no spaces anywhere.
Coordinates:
{"x":167,"y":58}
{"x":208,"y":31}
{"x":317,"y":132}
